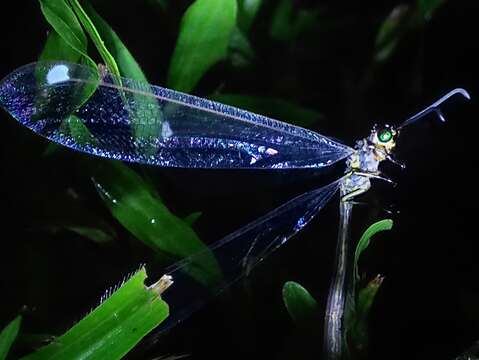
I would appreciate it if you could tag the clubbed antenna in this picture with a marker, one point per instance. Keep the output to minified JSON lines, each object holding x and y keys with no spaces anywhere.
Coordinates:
{"x":435,"y":107}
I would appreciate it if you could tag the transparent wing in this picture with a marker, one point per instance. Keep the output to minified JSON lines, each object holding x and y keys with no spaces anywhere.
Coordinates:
{"x":237,"y":253}
{"x":132,"y":121}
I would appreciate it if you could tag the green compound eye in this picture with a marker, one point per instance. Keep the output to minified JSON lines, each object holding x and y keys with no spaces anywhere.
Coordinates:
{"x":385,"y":135}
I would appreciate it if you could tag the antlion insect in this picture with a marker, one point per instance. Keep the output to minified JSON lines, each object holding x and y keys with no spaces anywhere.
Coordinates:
{"x":126,"y":120}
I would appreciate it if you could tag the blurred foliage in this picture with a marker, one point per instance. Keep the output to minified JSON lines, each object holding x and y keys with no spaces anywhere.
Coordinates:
{"x":8,"y":335}
{"x":247,"y":11}
{"x":301,"y":306}
{"x":289,"y":22}
{"x":428,"y":7}
{"x":402,"y":19}
{"x":203,"y":40}
{"x":219,"y":49}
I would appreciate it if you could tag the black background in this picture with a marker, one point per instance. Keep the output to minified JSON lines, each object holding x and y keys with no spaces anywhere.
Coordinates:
{"x":428,"y":305}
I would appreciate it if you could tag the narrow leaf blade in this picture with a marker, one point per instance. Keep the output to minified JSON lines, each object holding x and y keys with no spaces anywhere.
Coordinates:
{"x":301,"y":306}
{"x":144,"y":215}
{"x":57,"y":49}
{"x":8,"y":336}
{"x":192,"y":218}
{"x":60,"y":46}
{"x":391,"y":31}
{"x":240,"y":52}
{"x":203,"y":40}
{"x":428,"y":7}
{"x":289,"y":21}
{"x":95,"y":234}
{"x":145,"y":108}
{"x":247,"y":11}
{"x":127,"y":64}
{"x":364,"y":302}
{"x":115,"y":326}
{"x":62,"y":18}
{"x":141,"y":212}
{"x":363,"y":243}
{"x":95,"y":37}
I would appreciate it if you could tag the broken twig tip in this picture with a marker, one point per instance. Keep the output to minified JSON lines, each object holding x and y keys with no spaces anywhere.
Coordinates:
{"x":161,"y":285}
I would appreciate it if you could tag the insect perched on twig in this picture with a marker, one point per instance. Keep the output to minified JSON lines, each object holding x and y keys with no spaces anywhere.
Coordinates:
{"x":123,"y":119}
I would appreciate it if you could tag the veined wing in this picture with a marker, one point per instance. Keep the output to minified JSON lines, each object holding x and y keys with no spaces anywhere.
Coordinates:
{"x":127,"y":120}
{"x":239,"y":252}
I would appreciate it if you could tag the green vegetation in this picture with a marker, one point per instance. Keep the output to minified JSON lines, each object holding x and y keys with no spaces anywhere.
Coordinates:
{"x":211,"y":38}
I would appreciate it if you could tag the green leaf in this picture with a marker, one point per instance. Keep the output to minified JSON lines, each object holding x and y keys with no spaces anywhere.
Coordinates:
{"x":192,"y":218}
{"x":288,"y":23}
{"x":247,"y":11}
{"x":205,"y":32}
{"x":95,"y":234}
{"x":127,"y":64}
{"x":58,"y":49}
{"x":8,"y":336}
{"x":363,"y":243}
{"x":402,"y":19}
{"x":365,"y":239}
{"x":145,"y":107}
{"x":143,"y":214}
{"x":428,"y":7}
{"x":240,"y":51}
{"x":63,"y":20}
{"x":80,"y":217}
{"x":74,"y":126}
{"x":364,"y":302}
{"x":163,"y":4}
{"x":301,"y":306}
{"x":80,"y":220}
{"x":95,"y":37}
{"x":283,"y":110}
{"x":360,"y":305}
{"x":61,"y":17}
{"x":391,"y":31}
{"x":281,"y":26}
{"x":115,"y":326}
{"x":66,"y":42}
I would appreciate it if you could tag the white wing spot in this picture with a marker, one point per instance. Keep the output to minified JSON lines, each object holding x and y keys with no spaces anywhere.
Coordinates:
{"x":58,"y":74}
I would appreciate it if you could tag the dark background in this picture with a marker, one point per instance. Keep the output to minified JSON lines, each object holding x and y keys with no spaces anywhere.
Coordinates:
{"x":428,"y":305}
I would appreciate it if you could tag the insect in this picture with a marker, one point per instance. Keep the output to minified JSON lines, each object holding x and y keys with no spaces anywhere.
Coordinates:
{"x":119,"y":118}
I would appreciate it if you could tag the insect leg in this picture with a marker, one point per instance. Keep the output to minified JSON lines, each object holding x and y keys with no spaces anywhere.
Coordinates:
{"x":351,"y":195}
{"x":375,"y":176}
{"x":396,"y":162}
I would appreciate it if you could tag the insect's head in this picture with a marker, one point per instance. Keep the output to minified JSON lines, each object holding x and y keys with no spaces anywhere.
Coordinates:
{"x":383,"y":138}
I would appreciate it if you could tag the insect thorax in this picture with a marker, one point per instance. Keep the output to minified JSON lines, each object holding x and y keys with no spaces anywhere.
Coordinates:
{"x":365,"y":159}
